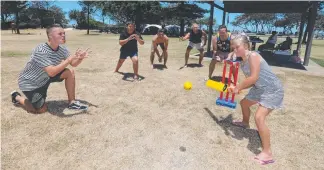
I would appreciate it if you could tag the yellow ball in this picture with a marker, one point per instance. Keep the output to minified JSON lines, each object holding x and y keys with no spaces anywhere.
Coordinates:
{"x":187,"y":85}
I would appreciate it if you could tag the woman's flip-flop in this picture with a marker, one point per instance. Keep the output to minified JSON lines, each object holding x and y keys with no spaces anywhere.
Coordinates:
{"x":264,"y":162}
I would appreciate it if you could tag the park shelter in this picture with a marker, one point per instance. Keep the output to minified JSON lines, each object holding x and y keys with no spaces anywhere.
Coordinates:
{"x":306,"y":8}
{"x":151,"y":28}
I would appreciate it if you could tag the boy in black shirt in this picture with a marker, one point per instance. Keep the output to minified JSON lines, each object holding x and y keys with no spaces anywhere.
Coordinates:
{"x":128,"y":41}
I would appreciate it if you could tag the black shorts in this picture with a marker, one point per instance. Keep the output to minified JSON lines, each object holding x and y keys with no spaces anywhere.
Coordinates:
{"x":125,"y":54}
{"x":38,"y":96}
{"x":162,"y":46}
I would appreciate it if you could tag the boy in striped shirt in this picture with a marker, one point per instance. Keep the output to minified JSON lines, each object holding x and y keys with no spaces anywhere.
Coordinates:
{"x":48,"y":64}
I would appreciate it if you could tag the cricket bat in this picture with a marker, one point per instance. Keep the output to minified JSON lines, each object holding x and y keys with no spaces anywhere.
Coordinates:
{"x":219,"y":86}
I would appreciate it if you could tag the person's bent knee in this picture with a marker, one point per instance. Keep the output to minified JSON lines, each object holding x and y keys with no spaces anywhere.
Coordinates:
{"x":259,"y":118}
{"x":67,"y":73}
{"x":39,"y":106}
{"x":42,"y":109}
{"x":72,"y":73}
{"x":213,"y":61}
{"x":245,"y":102}
{"x":135,"y":60}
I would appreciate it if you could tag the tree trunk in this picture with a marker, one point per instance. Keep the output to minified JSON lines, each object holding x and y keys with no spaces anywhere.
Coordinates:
{"x":2,"y":18}
{"x":88,"y":19}
{"x":181,"y":20}
{"x":182,"y":27}
{"x":138,"y":17}
{"x":17,"y":22}
{"x":307,"y":27}
{"x":305,"y":35}
{"x":262,"y":27}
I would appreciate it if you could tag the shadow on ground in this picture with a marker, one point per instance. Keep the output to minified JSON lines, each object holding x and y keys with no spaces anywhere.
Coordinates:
{"x":237,"y":132}
{"x":130,"y":76}
{"x":280,"y":60}
{"x":191,"y":65}
{"x":26,"y":34}
{"x":58,"y":107}
{"x":159,"y":66}
{"x":219,"y":79}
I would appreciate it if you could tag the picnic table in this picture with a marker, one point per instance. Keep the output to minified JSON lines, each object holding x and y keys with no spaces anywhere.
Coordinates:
{"x":254,"y":40}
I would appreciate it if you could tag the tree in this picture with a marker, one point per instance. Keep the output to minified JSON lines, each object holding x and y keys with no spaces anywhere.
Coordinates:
{"x":103,"y":13}
{"x":89,"y":7}
{"x":319,"y":11}
{"x":58,"y":15}
{"x":319,"y":24}
{"x":42,"y":11}
{"x":185,"y":12}
{"x":242,"y":21}
{"x":79,"y":17}
{"x":204,"y":22}
{"x":82,"y":22}
{"x":139,"y":12}
{"x":16,"y":7}
{"x":255,"y":20}
{"x":267,"y":20}
{"x":6,"y":14}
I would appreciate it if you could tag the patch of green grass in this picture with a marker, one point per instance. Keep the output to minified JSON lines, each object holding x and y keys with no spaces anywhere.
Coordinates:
{"x":318,"y":61}
{"x":14,"y":54}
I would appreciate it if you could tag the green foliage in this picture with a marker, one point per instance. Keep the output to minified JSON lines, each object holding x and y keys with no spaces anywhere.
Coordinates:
{"x":184,"y":12}
{"x":31,"y":14}
{"x":82,"y":23}
{"x":141,"y":12}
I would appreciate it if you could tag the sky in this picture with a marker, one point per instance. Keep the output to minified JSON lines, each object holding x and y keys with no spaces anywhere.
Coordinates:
{"x":218,"y":14}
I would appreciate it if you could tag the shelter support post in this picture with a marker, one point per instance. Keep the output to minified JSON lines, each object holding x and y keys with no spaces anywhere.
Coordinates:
{"x":210,"y":32}
{"x":301,"y":30}
{"x":312,"y":19}
{"x":224,"y":16}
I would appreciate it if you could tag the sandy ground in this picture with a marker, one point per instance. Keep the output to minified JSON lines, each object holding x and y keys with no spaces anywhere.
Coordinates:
{"x":152,"y":124}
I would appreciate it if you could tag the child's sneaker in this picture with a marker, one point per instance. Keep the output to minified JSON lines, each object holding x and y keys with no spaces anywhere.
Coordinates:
{"x":14,"y":94}
{"x":76,"y":105}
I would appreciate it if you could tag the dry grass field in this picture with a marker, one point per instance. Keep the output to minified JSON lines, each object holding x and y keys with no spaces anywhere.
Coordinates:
{"x":153,"y":123}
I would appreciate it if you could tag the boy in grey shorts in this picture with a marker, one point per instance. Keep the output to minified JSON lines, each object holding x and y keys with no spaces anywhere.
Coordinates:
{"x":48,"y":64}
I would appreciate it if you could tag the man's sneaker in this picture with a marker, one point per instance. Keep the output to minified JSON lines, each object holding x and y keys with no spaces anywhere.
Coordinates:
{"x":76,"y":105}
{"x":14,"y":94}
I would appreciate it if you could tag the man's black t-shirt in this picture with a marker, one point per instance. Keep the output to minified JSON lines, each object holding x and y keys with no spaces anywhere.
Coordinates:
{"x":195,"y":38}
{"x":131,"y":45}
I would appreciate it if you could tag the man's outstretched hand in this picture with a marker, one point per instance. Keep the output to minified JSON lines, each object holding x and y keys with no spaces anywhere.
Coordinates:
{"x":82,"y":54}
